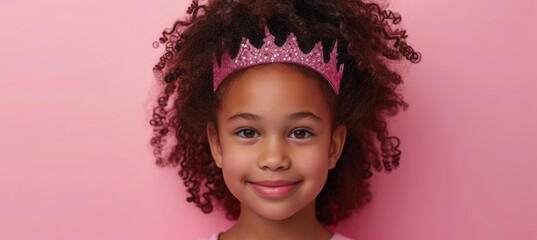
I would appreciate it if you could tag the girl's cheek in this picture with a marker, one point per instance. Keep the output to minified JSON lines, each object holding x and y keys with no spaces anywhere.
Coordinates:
{"x":239,"y":152}
{"x":312,"y":154}
{"x":247,"y":141}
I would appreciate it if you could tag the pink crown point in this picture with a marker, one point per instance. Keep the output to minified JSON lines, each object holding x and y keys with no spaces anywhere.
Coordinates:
{"x":289,"y":52}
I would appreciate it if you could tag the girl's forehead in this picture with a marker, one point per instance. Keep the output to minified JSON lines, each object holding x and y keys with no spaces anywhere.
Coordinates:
{"x":273,"y":89}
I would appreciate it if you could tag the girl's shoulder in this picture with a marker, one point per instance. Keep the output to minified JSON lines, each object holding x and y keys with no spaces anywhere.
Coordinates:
{"x":338,"y":236}
{"x":212,"y":237}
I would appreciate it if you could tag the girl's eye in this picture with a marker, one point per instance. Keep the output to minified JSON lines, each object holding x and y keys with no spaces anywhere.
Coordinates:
{"x":247,"y":133}
{"x":300,"y":133}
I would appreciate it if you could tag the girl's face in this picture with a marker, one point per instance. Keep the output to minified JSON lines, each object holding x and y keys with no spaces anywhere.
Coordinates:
{"x":274,"y":140}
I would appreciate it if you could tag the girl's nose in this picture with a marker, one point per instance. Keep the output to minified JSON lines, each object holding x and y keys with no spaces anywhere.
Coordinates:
{"x":274,"y":156}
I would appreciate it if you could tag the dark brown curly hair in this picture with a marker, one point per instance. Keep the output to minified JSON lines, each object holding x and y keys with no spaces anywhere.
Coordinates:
{"x":367,"y":44}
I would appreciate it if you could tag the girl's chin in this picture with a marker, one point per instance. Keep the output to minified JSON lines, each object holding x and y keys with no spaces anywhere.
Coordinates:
{"x":278,"y":212}
{"x":277,"y":216}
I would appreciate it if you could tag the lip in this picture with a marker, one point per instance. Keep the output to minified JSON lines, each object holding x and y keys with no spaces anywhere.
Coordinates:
{"x":274,"y":189}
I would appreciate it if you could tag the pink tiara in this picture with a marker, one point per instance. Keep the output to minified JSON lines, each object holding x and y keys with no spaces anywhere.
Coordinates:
{"x":289,"y":52}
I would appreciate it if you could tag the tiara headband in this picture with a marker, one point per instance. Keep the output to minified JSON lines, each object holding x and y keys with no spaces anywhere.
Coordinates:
{"x":289,"y":52}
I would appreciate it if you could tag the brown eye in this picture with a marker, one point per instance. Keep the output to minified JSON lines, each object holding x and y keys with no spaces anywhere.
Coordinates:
{"x":300,"y":133}
{"x":247,"y":133}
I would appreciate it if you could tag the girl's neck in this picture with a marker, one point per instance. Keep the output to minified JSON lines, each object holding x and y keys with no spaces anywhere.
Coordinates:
{"x":302,"y":225}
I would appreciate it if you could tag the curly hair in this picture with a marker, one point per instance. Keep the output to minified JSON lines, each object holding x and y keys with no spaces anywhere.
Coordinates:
{"x":367,"y":45}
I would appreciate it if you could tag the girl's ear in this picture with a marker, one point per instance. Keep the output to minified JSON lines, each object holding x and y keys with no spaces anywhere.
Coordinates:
{"x":214,"y":143}
{"x":336,"y":145}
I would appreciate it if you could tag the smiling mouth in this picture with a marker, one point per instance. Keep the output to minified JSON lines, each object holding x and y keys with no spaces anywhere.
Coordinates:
{"x":274,"y":189}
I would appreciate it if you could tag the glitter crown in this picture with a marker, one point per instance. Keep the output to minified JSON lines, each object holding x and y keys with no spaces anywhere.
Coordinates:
{"x":289,"y":52}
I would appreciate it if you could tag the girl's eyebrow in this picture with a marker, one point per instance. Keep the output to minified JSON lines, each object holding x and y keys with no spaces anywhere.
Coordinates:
{"x":292,"y":117}
{"x":246,"y":116}
{"x":302,"y":115}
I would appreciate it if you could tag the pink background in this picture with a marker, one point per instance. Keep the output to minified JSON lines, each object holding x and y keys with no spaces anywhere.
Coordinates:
{"x":74,"y":102}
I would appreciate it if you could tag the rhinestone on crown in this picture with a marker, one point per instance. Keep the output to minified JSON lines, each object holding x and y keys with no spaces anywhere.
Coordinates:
{"x":289,"y":52}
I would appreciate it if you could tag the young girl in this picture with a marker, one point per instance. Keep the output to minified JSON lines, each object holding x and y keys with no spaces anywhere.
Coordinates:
{"x":277,"y":110}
